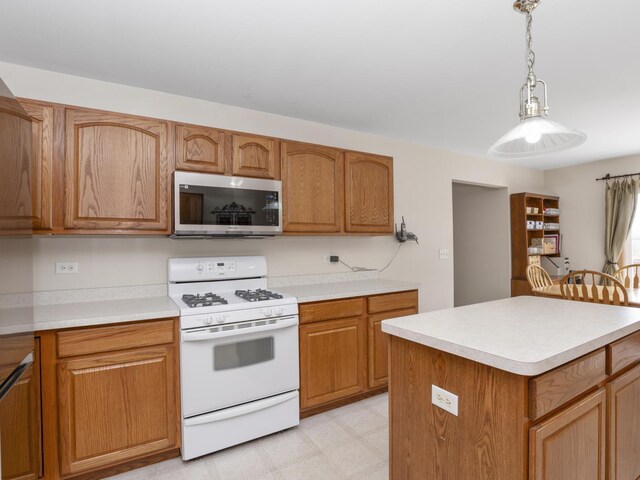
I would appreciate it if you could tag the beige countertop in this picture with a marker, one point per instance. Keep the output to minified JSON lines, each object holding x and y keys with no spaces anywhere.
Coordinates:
{"x":522,"y":335}
{"x":355,"y":288}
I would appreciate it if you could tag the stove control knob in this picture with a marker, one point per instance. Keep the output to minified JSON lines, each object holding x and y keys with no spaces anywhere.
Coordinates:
{"x":278,"y":311}
{"x":267,"y":312}
{"x":208,"y":320}
{"x":200,"y":267}
{"x":221,"y":318}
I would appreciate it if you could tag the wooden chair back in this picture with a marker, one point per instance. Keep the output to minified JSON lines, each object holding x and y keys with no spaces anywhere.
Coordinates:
{"x":585,"y":286}
{"x":538,"y":277}
{"x":629,"y":275}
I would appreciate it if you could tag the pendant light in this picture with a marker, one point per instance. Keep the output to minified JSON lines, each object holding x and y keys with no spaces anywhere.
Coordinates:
{"x":535,"y":135}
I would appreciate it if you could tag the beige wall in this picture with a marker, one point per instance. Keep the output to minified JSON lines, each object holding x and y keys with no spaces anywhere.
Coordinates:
{"x":481,"y":249}
{"x":423,"y":179}
{"x":582,"y":207}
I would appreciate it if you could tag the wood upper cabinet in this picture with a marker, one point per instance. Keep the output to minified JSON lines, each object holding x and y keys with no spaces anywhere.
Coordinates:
{"x":118,"y":396}
{"x":117,"y":172}
{"x":20,"y":426}
{"x":368,"y":193}
{"x":332,"y":360}
{"x":312,"y":188}
{"x":254,"y":156}
{"x":623,"y":402}
{"x":16,"y":169}
{"x":42,"y":139}
{"x":571,"y":445}
{"x":200,"y":149}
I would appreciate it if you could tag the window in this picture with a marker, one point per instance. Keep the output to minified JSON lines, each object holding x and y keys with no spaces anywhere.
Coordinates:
{"x":634,"y":240}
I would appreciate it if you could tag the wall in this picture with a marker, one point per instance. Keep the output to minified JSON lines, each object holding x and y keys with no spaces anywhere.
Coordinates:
{"x":481,"y":250}
{"x":422,"y":180}
{"x":582,"y":207}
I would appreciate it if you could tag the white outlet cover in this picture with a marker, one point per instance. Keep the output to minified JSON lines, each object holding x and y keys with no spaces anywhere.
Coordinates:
{"x":445,"y":400}
{"x":67,"y":267}
{"x":443,"y":253}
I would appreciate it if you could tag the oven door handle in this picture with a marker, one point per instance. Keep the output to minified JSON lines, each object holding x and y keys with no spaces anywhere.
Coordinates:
{"x":208,"y":335}
{"x":245,"y":409}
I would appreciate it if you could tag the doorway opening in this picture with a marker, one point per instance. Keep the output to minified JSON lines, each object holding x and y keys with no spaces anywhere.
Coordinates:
{"x":481,"y":248}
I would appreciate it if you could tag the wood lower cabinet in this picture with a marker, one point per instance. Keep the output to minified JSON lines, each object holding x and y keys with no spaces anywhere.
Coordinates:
{"x":115,"y":407}
{"x":571,"y":445}
{"x":623,"y":405}
{"x":117,"y":172}
{"x":110,"y":397}
{"x":254,"y":156}
{"x":368,"y":193}
{"x":332,"y":360}
{"x":21,"y":447}
{"x":312,"y":188}
{"x":343,"y":351}
{"x":200,"y":149}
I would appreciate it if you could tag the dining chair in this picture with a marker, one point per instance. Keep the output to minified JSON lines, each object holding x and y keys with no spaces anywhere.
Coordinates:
{"x":538,"y":277}
{"x":629,"y":275}
{"x":594,"y":287}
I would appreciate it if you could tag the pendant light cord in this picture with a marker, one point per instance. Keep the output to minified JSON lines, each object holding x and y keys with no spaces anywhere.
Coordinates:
{"x":531,"y":56}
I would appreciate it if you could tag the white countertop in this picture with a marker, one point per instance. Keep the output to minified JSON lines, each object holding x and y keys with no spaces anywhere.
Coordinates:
{"x":522,"y":335}
{"x":101,"y":312}
{"x":355,"y":288}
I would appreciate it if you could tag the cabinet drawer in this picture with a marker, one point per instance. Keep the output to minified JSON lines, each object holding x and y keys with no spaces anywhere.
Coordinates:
{"x":557,"y":387}
{"x":623,"y":353}
{"x":316,"y":312}
{"x":393,"y":301}
{"x":115,"y":337}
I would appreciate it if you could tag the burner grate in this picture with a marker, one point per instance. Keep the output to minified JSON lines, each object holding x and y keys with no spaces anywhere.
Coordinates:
{"x":258,"y":295}
{"x":204,"y":300}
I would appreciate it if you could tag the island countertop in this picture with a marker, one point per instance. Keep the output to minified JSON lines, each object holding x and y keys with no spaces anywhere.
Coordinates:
{"x":522,"y":335}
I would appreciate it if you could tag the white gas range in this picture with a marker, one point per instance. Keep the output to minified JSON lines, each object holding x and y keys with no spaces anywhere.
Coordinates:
{"x":238,"y":352}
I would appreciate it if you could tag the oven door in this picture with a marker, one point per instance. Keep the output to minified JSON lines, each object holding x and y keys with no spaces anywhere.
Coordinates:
{"x":229,"y":365}
{"x":206,"y":204}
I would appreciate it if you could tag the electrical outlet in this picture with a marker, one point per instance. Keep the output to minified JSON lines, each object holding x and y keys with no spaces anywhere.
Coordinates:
{"x":444,"y":254}
{"x":445,"y":400}
{"x":331,"y":259}
{"x":66,"y":267}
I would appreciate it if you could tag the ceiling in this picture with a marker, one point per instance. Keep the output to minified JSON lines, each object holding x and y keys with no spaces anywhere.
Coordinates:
{"x":438,"y":72}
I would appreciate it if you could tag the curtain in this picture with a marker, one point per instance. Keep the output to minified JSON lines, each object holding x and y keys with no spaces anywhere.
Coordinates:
{"x":621,"y":198}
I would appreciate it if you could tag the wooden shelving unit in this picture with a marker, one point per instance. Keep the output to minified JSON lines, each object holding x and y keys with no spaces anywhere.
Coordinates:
{"x":521,"y":237}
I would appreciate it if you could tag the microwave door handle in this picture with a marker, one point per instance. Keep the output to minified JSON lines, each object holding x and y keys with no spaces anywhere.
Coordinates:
{"x":245,"y":409}
{"x":207,"y":335}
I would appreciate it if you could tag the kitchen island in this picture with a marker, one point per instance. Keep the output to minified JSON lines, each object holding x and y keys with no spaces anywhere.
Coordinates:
{"x":543,"y":389}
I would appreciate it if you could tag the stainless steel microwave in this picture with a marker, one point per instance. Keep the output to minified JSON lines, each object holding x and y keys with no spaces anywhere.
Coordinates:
{"x":219,"y":205}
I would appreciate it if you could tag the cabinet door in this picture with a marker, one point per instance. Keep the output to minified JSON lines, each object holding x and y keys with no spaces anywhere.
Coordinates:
{"x":368,"y":193}
{"x":114,"y":407}
{"x":200,"y":149}
{"x":312,"y":188}
{"x":20,"y":426}
{"x":117,"y":173}
{"x":254,"y":156}
{"x":624,"y":426}
{"x":16,"y":170}
{"x":42,"y":158}
{"x":332,"y":360}
{"x":378,"y":346}
{"x":571,"y":444}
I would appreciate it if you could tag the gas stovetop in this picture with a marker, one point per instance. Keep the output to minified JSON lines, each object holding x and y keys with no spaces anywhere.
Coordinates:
{"x":258,"y":295}
{"x":204,"y":300}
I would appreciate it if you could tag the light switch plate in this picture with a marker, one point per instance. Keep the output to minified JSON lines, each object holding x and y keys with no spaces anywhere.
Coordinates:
{"x":444,"y":254}
{"x":445,"y":400}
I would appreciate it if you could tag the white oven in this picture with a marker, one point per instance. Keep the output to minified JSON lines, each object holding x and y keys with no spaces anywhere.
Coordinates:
{"x":232,"y":364}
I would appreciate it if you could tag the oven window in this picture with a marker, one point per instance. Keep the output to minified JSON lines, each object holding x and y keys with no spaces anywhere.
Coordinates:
{"x":243,"y":354}
{"x":201,"y":205}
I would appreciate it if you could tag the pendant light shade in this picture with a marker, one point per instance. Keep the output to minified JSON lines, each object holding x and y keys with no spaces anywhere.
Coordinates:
{"x":536,"y":136}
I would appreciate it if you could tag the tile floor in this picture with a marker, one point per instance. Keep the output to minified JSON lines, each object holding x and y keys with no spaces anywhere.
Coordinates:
{"x":348,"y":443}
